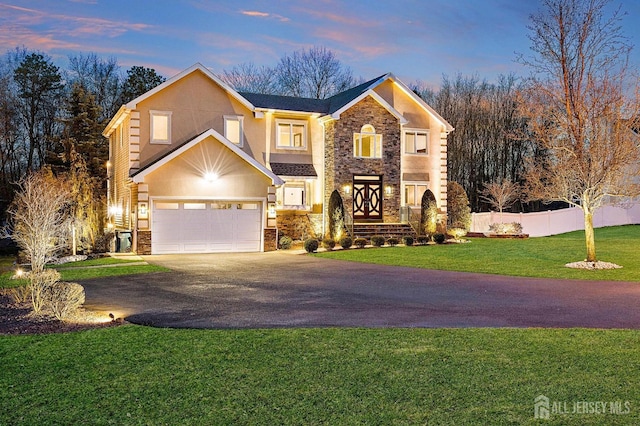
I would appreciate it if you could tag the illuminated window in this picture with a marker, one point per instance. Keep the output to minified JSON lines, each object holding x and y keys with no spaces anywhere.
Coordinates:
{"x":413,"y":194}
{"x":416,"y":142}
{"x":291,"y":134}
{"x":160,"y":127}
{"x":233,"y":129}
{"x":367,"y":144}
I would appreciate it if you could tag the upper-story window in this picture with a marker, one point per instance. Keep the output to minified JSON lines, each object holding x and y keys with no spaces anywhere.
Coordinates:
{"x":233,"y":128}
{"x":291,"y":134}
{"x":160,"y":127}
{"x":416,"y":142}
{"x":367,"y":144}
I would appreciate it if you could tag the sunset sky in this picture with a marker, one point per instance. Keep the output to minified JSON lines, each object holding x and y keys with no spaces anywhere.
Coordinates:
{"x":414,"y":39}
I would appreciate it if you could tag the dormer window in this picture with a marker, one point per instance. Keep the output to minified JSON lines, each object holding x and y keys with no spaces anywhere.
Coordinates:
{"x":367,"y":144}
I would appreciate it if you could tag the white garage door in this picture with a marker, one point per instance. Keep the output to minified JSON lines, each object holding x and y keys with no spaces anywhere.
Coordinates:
{"x":205,"y":226}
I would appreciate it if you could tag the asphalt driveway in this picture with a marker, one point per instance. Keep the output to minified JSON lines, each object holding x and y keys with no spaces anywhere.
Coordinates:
{"x":280,"y":289}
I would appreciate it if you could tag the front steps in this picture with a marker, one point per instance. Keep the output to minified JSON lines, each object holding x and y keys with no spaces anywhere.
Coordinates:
{"x":387,"y":230}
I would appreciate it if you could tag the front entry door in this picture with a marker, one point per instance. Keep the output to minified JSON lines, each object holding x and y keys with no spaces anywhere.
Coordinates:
{"x":367,"y":198}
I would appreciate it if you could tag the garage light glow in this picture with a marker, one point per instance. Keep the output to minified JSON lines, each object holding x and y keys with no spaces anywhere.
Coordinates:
{"x":211,"y":177}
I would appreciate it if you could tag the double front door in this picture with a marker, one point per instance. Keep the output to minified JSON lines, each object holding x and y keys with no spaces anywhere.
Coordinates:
{"x":367,"y":198}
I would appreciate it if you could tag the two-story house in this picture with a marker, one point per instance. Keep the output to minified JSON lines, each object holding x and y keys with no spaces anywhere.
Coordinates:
{"x":197,"y":167}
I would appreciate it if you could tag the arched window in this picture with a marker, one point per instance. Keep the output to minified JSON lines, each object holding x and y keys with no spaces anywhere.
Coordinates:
{"x":367,"y":143}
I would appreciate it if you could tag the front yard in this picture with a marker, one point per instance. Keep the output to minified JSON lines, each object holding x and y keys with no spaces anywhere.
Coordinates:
{"x":136,"y":375}
{"x":533,"y":257}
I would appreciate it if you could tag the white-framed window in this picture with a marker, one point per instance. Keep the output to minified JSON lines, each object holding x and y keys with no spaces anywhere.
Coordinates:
{"x":413,"y":193}
{"x":233,"y":128}
{"x":292,"y":195}
{"x":416,"y":141}
{"x":291,"y":134}
{"x":367,"y":144}
{"x":160,"y":127}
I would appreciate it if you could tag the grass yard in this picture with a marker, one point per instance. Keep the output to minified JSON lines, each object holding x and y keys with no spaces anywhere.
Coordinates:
{"x":135,"y":375}
{"x":533,"y":257}
{"x":110,"y":267}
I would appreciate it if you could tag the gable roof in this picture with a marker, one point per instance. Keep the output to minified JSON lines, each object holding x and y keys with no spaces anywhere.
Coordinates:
{"x":195,"y":67}
{"x":138,"y":176}
{"x":342,"y":101}
{"x":131,"y":105}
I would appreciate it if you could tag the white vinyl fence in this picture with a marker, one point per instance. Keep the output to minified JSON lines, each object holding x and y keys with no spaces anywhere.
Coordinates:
{"x":541,"y":224}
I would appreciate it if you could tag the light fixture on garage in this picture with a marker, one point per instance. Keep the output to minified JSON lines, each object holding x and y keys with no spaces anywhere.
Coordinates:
{"x":210,"y":177}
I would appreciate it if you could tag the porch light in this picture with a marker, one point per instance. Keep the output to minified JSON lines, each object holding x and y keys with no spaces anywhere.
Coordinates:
{"x":388,"y":190}
{"x":347,"y":189}
{"x":210,"y":177}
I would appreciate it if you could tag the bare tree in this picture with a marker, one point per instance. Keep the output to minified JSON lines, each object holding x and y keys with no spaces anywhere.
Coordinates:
{"x":490,"y":141}
{"x":579,"y":101}
{"x":38,"y":217}
{"x":315,"y":73}
{"x":248,"y":77}
{"x":101,"y":77}
{"x":501,"y":195}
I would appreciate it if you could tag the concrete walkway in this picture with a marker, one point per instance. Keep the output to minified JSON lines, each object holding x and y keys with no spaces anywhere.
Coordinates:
{"x":279,"y":289}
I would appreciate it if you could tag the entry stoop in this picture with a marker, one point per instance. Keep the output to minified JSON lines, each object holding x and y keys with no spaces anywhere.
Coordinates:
{"x":387,"y":230}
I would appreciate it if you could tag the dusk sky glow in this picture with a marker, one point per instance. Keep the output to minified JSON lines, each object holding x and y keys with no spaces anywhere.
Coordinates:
{"x":416,"y":40}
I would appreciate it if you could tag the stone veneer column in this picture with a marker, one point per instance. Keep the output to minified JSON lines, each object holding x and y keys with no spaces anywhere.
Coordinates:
{"x":341,"y":165}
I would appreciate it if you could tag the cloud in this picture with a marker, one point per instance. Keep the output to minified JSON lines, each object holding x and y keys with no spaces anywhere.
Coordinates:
{"x":61,"y":26}
{"x":258,"y":14}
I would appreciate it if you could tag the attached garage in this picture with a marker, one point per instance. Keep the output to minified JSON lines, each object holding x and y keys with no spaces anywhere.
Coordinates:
{"x":205,"y":226}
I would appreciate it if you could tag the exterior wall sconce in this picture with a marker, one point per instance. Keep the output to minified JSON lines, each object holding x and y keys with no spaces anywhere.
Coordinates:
{"x":388,"y":190}
{"x":143,"y":210}
{"x":347,"y":189}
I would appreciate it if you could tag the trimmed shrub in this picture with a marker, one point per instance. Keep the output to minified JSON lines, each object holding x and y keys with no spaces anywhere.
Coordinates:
{"x":65,"y":299}
{"x":360,"y":242}
{"x":346,"y":242}
{"x":457,"y":233}
{"x":513,"y":228}
{"x":328,"y":243}
{"x":408,"y":240}
{"x":393,"y":241}
{"x":285,"y":242}
{"x":428,"y":213}
{"x":458,"y":211}
{"x":377,"y":241}
{"x":423,"y":239}
{"x":336,"y":216}
{"x":311,"y":245}
{"x":438,"y":237}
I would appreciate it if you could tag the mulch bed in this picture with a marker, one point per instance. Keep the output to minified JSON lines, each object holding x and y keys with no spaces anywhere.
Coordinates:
{"x":17,"y":319}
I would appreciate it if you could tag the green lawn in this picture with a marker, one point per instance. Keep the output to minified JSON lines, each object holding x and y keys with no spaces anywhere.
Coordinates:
{"x":136,"y":375}
{"x":133,"y":375}
{"x":533,"y":257}
{"x":75,"y":271}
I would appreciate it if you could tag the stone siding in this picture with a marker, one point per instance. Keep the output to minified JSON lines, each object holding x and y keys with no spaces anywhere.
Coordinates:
{"x":270,"y":239}
{"x":144,"y":242}
{"x":299,"y":225}
{"x":341,"y":166}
